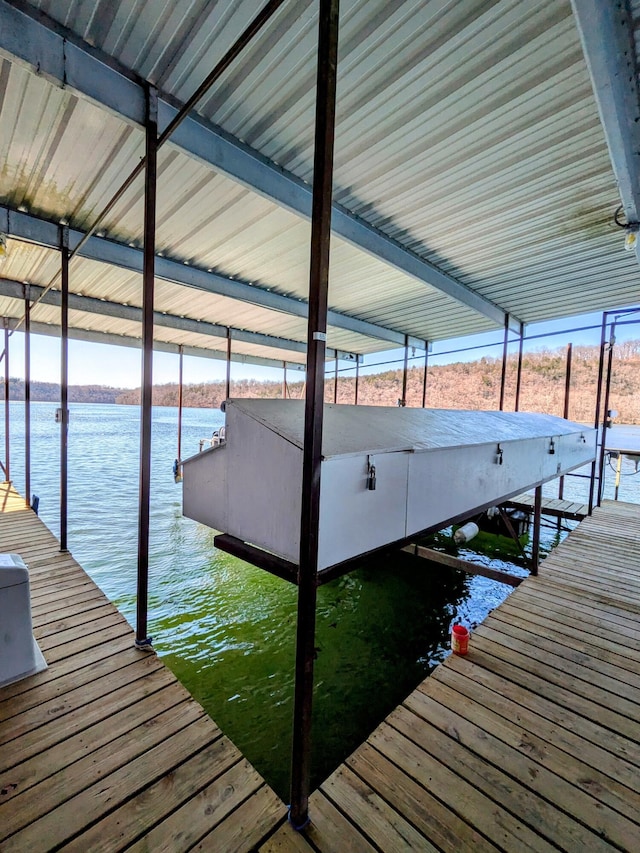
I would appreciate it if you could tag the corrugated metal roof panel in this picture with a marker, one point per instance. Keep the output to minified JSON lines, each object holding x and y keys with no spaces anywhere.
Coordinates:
{"x":466,"y":131}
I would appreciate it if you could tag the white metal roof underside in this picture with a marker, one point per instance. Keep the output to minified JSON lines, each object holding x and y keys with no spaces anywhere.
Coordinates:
{"x":473,"y":169}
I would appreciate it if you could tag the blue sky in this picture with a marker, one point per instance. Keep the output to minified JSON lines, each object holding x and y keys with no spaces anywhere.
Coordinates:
{"x":120,"y":366}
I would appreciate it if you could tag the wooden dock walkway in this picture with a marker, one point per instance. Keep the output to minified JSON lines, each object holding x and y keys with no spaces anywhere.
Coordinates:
{"x":530,"y":743}
{"x":105,"y":750}
{"x":555,"y":507}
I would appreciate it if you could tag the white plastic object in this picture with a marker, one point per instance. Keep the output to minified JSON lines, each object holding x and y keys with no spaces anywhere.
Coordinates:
{"x":19,"y":652}
{"x":466,"y":533}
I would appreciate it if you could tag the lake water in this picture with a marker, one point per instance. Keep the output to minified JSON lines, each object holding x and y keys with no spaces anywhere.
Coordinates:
{"x":227,"y":629}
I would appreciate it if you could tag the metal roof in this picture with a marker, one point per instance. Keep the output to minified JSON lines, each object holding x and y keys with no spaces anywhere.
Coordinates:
{"x":473,"y":175}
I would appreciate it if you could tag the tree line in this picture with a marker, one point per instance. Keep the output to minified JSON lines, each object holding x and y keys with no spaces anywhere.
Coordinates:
{"x":458,"y":385}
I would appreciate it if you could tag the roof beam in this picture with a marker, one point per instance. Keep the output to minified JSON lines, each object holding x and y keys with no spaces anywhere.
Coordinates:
{"x":26,"y":226}
{"x":42,"y":46}
{"x":606,"y":32}
{"x":159,"y":346}
{"x":91,"y":305}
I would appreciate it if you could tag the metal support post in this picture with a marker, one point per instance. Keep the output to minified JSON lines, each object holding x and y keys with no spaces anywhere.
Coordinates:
{"x":27,"y":397}
{"x":535,"y":546}
{"x":335,"y":380}
{"x":357,"y":382}
{"x":605,"y":416}
{"x":596,"y":419}
{"x":7,"y":417}
{"x":178,"y":468}
{"x":405,"y":366}
{"x":425,"y":374}
{"x":519,"y":371}
{"x":227,"y":387}
{"x":142,"y":639}
{"x":505,"y":349}
{"x":284,"y":380}
{"x":64,"y":388}
{"x":565,"y":409}
{"x":314,"y":399}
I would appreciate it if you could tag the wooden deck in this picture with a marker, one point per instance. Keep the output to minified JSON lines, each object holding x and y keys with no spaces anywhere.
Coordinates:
{"x":530,"y":743}
{"x":105,"y":750}
{"x":554,"y":507}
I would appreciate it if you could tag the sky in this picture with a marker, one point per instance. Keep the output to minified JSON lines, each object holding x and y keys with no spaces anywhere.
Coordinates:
{"x":103,"y":364}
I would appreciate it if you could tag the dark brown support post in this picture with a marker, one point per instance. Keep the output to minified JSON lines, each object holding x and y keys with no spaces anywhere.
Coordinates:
{"x":505,"y":348}
{"x":405,"y":366}
{"x":143,"y":641}
{"x":425,"y":374}
{"x":565,"y":409}
{"x":596,"y":419}
{"x":227,"y":387}
{"x":64,"y":388}
{"x":357,"y":382}
{"x":605,"y":416}
{"x":27,"y":397}
{"x":519,"y":373}
{"x":314,"y":409}
{"x":335,"y":379}
{"x":535,"y":546}
{"x":284,"y":380}
{"x":180,"y":396}
{"x":7,"y":417}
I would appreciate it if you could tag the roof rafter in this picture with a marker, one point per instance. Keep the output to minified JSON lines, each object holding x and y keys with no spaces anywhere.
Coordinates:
{"x":26,"y":226}
{"x":91,"y":305}
{"x":39,"y":44}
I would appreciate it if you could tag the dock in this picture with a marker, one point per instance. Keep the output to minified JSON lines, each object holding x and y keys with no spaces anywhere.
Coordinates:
{"x":529,"y":743}
{"x":105,"y":750}
{"x":555,"y":507}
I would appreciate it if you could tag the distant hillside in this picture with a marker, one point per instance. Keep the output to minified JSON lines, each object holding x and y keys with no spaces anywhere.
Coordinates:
{"x":49,"y":392}
{"x":462,"y":385}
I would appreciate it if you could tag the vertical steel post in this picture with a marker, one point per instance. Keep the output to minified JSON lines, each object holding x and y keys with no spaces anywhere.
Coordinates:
{"x":314,"y":409}
{"x":335,"y":379}
{"x":27,"y":396}
{"x":503,"y":375}
{"x":7,"y":417}
{"x":425,"y":374}
{"x":64,"y":388}
{"x":180,"y":396}
{"x":605,"y":416}
{"x":142,"y":639}
{"x":596,"y":419}
{"x":565,"y":408}
{"x":405,"y":366}
{"x":284,"y":380}
{"x":227,"y":387}
{"x":519,"y":372}
{"x":357,"y":382}
{"x":535,"y":547}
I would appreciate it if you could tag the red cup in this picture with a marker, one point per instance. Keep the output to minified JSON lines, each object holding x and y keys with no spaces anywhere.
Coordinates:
{"x":459,"y":640}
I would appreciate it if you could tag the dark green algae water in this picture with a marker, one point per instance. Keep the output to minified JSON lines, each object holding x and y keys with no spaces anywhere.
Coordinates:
{"x":227,"y":629}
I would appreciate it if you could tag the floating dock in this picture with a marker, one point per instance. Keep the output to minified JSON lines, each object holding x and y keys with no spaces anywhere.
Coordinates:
{"x":105,"y":750}
{"x":531,"y":742}
{"x":555,"y":507}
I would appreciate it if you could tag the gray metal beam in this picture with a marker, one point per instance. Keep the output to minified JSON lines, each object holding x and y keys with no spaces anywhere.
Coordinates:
{"x":67,"y":62}
{"x":158,"y":346}
{"x":606,"y":31}
{"x":90,"y":305}
{"x":26,"y":226}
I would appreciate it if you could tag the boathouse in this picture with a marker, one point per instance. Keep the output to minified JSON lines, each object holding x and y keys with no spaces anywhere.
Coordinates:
{"x":301,"y":184}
